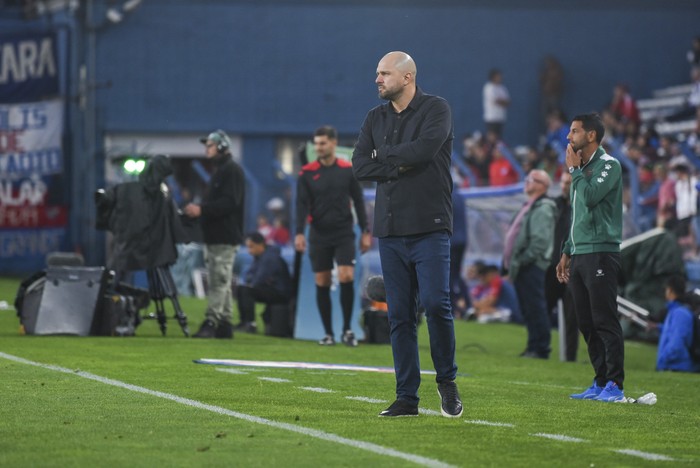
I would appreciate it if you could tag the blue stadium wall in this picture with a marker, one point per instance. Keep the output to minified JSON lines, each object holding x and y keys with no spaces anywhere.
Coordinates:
{"x":267,"y":69}
{"x":275,"y":67}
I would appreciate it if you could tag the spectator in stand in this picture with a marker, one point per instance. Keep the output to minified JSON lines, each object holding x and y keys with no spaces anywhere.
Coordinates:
{"x":623,"y":105}
{"x":501,"y":171}
{"x":280,"y":231}
{"x":493,"y":298}
{"x":693,"y":54}
{"x":646,"y":142}
{"x":664,"y":150}
{"x":666,"y":210}
{"x":557,"y":131}
{"x":554,"y":290}
{"x":531,"y":159}
{"x":686,"y":199}
{"x":648,"y":199}
{"x":676,"y":331}
{"x":478,"y":159}
{"x":550,"y":163}
{"x":526,"y":255}
{"x":693,"y":140}
{"x":264,"y":228}
{"x":613,"y":128}
{"x":496,"y":101}
{"x":551,"y":87}
{"x":636,"y":155}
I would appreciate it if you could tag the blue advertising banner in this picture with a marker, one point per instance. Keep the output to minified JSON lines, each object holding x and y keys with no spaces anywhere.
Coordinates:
{"x":33,"y":211}
{"x":28,"y":67}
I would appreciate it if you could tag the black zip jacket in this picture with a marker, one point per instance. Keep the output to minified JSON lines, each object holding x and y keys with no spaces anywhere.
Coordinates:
{"x":222,"y":206}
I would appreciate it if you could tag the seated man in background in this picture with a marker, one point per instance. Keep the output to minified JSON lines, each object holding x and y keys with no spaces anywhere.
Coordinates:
{"x":493,"y":299}
{"x":266,"y":280}
{"x":676,"y":331}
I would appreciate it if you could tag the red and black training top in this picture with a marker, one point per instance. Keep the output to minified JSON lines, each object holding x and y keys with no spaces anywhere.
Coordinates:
{"x":324,"y":195}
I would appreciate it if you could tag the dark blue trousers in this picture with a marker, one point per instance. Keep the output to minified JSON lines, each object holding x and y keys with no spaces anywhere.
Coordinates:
{"x":417,"y":268}
{"x":530,"y":288}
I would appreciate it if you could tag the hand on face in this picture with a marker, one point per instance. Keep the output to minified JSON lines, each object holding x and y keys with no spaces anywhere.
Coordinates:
{"x":573,"y":158}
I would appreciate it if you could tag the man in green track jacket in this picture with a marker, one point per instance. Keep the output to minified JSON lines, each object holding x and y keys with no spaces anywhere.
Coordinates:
{"x":590,"y":261}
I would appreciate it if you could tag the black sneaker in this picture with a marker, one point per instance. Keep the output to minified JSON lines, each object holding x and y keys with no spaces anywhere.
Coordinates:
{"x":224,"y":330}
{"x":534,"y":355}
{"x":327,"y":340}
{"x":451,"y":405}
{"x":349,"y":338}
{"x":207,"y":330}
{"x":400,"y":408}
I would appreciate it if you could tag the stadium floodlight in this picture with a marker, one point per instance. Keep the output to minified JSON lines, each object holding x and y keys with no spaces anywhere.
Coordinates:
{"x":134,"y":165}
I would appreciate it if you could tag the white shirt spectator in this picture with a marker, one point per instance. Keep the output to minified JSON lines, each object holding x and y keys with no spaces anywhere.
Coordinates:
{"x":493,"y":111}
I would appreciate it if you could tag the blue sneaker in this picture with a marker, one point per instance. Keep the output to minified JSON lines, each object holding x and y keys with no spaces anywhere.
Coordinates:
{"x":591,"y":393}
{"x":611,"y":392}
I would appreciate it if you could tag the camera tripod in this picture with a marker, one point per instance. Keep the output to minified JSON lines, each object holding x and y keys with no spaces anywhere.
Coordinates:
{"x":160,"y":287}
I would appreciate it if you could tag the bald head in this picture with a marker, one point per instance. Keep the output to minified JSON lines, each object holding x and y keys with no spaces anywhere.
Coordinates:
{"x":401,"y":61}
{"x":396,"y":79}
{"x":537,"y":183}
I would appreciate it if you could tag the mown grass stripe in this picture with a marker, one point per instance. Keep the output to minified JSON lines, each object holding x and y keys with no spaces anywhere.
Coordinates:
{"x":358,"y":444}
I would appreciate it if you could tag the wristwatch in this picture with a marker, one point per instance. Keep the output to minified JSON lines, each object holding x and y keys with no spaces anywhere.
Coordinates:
{"x":571,"y":169}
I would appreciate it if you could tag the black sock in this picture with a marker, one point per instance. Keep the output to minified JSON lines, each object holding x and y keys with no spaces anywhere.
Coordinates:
{"x":323,"y":300}
{"x":347,"y":300}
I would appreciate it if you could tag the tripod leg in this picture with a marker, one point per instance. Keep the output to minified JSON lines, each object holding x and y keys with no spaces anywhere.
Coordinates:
{"x":170,"y":290}
{"x":180,"y":315}
{"x":160,"y":312}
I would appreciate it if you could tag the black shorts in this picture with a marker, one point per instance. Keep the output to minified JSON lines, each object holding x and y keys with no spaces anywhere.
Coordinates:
{"x":322,"y":255}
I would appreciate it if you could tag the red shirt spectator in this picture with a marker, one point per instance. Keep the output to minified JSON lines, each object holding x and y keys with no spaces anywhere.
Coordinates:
{"x":501,"y":171}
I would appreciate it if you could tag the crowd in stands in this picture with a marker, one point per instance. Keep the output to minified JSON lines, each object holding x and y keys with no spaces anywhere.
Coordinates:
{"x":664,"y":159}
{"x":658,"y":142}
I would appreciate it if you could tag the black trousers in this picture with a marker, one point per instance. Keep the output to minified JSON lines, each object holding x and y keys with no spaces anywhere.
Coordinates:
{"x":593,"y":281}
{"x":553,"y":291}
{"x":247,"y":297}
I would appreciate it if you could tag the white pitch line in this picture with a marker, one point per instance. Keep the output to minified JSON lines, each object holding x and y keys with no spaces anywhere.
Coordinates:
{"x":645,"y":455}
{"x":317,"y":434}
{"x":366,"y":399}
{"x":232,"y":371}
{"x":489,"y":423}
{"x":429,"y":412}
{"x":274,"y":379}
{"x":559,"y":437}
{"x":316,"y":389}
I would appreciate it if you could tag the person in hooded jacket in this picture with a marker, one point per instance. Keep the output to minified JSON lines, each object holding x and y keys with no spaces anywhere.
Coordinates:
{"x":221,"y":218}
{"x":146,"y":227}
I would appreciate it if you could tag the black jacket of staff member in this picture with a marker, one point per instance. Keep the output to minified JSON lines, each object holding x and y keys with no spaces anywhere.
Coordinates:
{"x":223,"y":203}
{"x":143,"y":220}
